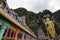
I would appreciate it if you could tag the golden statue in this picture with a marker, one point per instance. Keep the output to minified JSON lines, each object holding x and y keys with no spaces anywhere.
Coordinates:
{"x":50,"y":27}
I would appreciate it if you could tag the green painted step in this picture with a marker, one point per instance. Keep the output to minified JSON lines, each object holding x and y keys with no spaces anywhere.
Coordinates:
{"x":3,"y":28}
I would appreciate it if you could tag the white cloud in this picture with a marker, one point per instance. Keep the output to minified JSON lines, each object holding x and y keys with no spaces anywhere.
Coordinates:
{"x":35,"y":5}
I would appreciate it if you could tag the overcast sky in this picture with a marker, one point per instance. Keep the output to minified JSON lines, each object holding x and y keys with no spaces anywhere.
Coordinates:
{"x":35,"y":5}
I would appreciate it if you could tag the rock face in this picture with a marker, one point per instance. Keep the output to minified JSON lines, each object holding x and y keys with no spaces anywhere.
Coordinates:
{"x":37,"y":20}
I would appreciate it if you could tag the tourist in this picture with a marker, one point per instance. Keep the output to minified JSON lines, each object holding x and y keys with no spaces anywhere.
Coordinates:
{"x":17,"y":19}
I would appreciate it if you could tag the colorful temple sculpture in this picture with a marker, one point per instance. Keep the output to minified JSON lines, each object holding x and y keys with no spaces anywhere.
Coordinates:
{"x":13,"y":27}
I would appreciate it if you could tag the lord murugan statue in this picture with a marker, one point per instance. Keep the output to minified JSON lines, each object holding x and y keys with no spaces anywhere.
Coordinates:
{"x":49,"y":25}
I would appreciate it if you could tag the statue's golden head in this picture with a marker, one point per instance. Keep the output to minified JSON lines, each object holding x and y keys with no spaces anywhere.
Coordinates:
{"x":47,"y":19}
